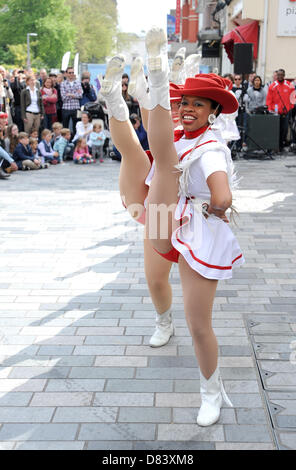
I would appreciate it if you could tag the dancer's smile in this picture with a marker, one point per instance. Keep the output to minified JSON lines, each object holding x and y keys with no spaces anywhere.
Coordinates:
{"x":194,"y":112}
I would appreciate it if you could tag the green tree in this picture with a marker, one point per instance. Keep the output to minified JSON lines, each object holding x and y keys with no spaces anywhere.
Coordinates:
{"x":50,"y":19}
{"x":96,"y":25}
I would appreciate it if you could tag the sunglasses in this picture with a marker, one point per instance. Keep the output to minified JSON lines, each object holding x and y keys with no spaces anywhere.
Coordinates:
{"x":237,"y":79}
{"x":71,"y":73}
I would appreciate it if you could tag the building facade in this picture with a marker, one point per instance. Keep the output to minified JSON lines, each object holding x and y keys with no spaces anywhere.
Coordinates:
{"x":276,"y":33}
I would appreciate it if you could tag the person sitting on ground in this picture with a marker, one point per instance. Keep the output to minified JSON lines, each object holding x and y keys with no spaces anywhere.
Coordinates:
{"x":34,"y":146}
{"x":7,"y":164}
{"x":11,"y":139}
{"x":23,"y":154}
{"x":84,"y":127}
{"x":34,"y":135}
{"x":96,"y":141}
{"x":45,"y":149}
{"x":63,"y":146}
{"x":81,"y":153}
{"x":56,"y":128}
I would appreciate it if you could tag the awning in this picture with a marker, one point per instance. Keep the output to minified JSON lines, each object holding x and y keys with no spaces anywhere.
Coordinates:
{"x":245,"y":33}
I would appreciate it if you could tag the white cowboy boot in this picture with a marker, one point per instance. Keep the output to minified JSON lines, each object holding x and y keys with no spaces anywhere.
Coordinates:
{"x":177,"y":67}
{"x":163,"y":331}
{"x":111,"y":89}
{"x":158,"y":68}
{"x":138,"y":85}
{"x":212,"y":395}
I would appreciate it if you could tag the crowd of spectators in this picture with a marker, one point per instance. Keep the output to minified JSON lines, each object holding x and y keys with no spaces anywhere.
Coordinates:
{"x":276,"y":96}
{"x":48,"y":118}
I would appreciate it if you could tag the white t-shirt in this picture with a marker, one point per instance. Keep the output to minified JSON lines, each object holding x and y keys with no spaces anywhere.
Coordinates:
{"x":201,"y":169}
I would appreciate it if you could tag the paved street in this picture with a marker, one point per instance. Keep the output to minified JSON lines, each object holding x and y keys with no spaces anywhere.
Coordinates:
{"x":75,"y":320}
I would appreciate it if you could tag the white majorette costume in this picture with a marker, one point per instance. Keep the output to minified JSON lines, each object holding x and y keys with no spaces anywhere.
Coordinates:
{"x":207,"y":244}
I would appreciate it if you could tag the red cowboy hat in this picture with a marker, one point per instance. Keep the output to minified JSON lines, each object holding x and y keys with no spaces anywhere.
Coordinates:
{"x":212,"y":87}
{"x":174,"y":92}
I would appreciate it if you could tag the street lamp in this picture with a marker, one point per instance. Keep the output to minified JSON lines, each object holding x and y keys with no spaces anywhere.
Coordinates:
{"x":28,"y":49}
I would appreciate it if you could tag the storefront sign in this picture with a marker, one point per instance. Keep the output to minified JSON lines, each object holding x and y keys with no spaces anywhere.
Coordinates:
{"x":287,"y":18}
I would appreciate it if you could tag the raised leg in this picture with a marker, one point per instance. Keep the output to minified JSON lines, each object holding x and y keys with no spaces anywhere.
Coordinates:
{"x":163,"y":193}
{"x":135,"y":164}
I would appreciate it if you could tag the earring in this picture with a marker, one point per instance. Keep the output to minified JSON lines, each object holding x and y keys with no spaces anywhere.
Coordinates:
{"x":211,"y":119}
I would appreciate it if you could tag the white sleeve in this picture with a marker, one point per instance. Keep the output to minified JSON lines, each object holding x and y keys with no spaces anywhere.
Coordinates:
{"x":213,"y":161}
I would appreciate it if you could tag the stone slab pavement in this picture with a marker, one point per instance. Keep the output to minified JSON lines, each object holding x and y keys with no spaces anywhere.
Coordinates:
{"x":75,"y":319}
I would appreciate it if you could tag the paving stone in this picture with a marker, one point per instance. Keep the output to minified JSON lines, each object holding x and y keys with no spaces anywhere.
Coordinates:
{"x":191,"y":432}
{"x":61,"y":399}
{"x":251,"y":416}
{"x":174,"y":445}
{"x":50,"y":445}
{"x":188,"y":415}
{"x":25,"y":414}
{"x":247,"y":433}
{"x":101,"y":372}
{"x":75,"y":385}
{"x":144,"y":415}
{"x":128,"y":399}
{"x":288,"y":439}
{"x":109,"y":445}
{"x":167,"y":373}
{"x":15,"y":399}
{"x":124,"y":361}
{"x":84,"y":414}
{"x":22,"y":385}
{"x":38,"y":432}
{"x":137,"y":385}
{"x":244,"y":446}
{"x":117,"y":432}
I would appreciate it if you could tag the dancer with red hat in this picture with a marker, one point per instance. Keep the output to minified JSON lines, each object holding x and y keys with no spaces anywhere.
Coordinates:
{"x":202,"y":243}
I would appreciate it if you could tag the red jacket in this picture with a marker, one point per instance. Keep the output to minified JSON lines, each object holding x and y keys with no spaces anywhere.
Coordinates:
{"x":280,"y":93}
{"x":49,"y":102}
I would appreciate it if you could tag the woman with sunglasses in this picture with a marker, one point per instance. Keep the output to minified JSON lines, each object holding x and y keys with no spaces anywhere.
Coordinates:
{"x":193,"y":173}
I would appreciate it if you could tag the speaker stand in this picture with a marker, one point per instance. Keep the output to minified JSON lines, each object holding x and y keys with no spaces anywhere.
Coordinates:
{"x":267,"y":154}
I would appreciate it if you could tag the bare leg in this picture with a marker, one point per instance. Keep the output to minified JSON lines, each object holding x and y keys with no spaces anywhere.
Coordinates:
{"x":164,"y":187}
{"x":157,"y":271}
{"x":199,"y":294}
{"x":135,"y":164}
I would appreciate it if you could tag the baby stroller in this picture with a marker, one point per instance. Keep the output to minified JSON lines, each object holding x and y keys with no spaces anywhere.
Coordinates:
{"x":95,"y":109}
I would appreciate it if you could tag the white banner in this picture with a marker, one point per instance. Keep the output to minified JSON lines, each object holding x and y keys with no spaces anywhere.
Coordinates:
{"x":287,"y":18}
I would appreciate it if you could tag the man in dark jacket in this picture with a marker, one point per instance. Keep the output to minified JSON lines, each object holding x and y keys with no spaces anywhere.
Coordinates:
{"x":23,"y":154}
{"x":17,"y":85}
{"x":89,"y":93}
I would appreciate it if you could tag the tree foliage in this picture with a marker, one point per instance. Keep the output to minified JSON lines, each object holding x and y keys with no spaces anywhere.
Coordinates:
{"x":50,"y":19}
{"x":96,"y":25}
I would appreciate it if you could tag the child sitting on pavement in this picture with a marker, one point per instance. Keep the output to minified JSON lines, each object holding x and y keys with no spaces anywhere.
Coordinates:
{"x":63,"y":146}
{"x":34,"y":146}
{"x":56,"y":128}
{"x":96,"y":141}
{"x":23,"y":154}
{"x":45,"y":149}
{"x":81,"y":153}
